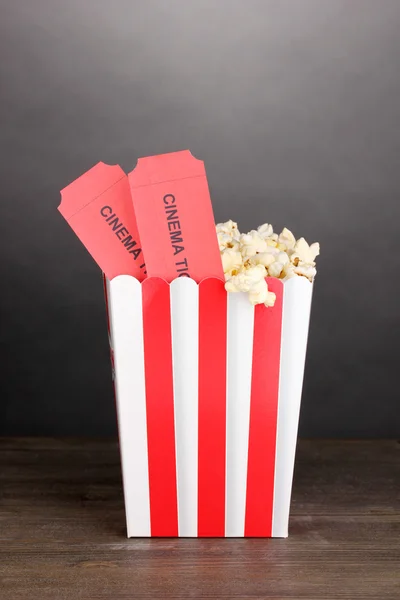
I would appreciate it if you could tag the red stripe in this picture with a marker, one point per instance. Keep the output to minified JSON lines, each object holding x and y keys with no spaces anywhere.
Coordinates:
{"x":263,"y":415}
{"x":160,"y":407}
{"x":212,"y":408}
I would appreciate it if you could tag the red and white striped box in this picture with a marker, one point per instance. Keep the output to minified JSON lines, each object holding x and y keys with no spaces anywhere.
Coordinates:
{"x":208,"y":391}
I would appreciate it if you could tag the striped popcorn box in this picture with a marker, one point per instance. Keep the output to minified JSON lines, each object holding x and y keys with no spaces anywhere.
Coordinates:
{"x":208,"y":391}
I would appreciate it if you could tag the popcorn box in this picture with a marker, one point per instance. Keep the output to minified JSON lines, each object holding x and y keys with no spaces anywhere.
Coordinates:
{"x":207,"y":386}
{"x":208,"y":391}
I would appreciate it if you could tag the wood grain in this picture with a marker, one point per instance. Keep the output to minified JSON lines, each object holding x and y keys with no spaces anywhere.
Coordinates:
{"x":62,"y":530}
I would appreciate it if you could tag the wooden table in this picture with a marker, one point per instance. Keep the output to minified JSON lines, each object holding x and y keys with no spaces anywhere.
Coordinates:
{"x":63,"y":533}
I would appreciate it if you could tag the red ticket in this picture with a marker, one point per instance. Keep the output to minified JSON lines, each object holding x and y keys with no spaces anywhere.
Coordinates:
{"x":98,"y":207}
{"x":175,"y":218}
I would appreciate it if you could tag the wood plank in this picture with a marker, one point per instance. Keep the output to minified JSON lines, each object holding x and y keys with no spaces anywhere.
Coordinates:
{"x":62,"y":530}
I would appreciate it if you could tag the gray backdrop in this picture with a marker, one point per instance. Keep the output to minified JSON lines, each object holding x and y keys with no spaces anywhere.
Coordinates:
{"x":293,"y":105}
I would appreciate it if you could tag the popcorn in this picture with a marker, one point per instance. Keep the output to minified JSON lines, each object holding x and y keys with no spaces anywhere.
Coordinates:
{"x":287,"y":238}
{"x":246,"y":280}
{"x":225,"y":241}
{"x":303,"y":259}
{"x":228,"y":235}
{"x":263,"y":258}
{"x":304,"y":252}
{"x":229,"y":227}
{"x":288,"y":271}
{"x":283,"y":258}
{"x":251,"y":243}
{"x":275,"y":269}
{"x":252,"y":280}
{"x":265,"y":231}
{"x":261,"y":295}
{"x":232,"y":261}
{"x":270,"y":301}
{"x":249,"y":258}
{"x":306,"y":270}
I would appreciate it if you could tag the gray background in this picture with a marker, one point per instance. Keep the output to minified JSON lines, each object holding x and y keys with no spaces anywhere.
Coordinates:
{"x":293,"y":105}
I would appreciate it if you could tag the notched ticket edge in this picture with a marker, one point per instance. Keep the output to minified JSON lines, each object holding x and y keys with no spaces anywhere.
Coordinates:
{"x":90,"y":176}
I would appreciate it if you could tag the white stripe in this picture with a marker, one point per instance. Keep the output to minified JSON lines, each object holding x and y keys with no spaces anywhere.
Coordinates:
{"x":297,"y":293}
{"x":185,"y":341}
{"x":126,"y":322}
{"x":239,"y":369}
